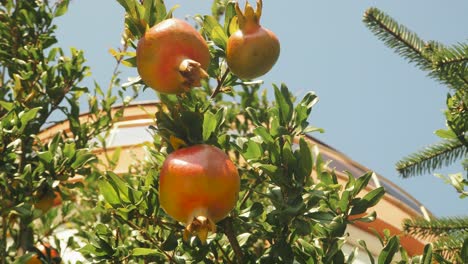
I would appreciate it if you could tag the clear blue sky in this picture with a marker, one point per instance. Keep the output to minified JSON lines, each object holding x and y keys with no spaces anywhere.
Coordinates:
{"x":374,"y":106}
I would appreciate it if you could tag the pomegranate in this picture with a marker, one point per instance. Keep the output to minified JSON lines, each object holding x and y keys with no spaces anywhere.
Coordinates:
{"x":48,"y":252}
{"x":49,"y":200}
{"x":252,"y":50}
{"x":172,"y":57}
{"x":199,"y":186}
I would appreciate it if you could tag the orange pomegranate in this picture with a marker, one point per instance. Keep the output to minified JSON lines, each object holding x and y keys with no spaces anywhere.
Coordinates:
{"x":172,"y":57}
{"x":49,"y":200}
{"x":252,"y":50}
{"x":48,"y":253}
{"x":199,"y":186}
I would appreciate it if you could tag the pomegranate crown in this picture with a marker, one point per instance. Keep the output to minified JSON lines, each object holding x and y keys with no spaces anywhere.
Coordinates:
{"x":250,"y":18}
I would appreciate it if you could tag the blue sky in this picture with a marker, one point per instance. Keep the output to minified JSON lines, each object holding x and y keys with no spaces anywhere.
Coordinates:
{"x":374,"y":106}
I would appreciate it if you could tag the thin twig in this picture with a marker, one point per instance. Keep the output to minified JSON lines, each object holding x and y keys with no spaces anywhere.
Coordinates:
{"x":229,"y":232}
{"x":223,"y":252}
{"x":147,"y":236}
{"x":3,"y":253}
{"x":250,"y":191}
{"x":220,"y":84}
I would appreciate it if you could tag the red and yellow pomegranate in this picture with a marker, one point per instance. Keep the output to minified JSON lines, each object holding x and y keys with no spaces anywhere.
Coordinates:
{"x":48,"y":252}
{"x":172,"y":57}
{"x":252,"y":50}
{"x":199,"y":186}
{"x":48,"y":200}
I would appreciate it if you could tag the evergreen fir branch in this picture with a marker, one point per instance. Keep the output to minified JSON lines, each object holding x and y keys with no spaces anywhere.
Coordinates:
{"x":431,"y":158}
{"x":451,"y":66}
{"x":450,"y":246}
{"x":448,"y":65}
{"x":397,"y":37}
{"x":454,"y":57}
{"x":437,"y":227}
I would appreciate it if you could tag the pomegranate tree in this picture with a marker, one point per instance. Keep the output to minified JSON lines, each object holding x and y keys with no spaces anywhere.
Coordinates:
{"x":261,"y":199}
{"x":199,"y":186}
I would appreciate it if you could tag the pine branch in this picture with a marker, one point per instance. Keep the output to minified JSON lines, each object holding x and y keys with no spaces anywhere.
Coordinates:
{"x":397,"y":37}
{"x":436,"y":228}
{"x":450,"y":247}
{"x":457,"y":56}
{"x":448,"y":65}
{"x":431,"y":158}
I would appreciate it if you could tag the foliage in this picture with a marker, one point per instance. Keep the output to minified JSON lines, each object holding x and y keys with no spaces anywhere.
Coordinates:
{"x":39,"y":82}
{"x":448,"y":65}
{"x":283,"y":214}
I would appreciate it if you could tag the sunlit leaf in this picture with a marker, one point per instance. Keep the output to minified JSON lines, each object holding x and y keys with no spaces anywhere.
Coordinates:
{"x":215,"y":31}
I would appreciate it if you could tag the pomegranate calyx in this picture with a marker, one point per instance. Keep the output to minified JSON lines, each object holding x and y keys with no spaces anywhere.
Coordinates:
{"x":200,"y":227}
{"x":249,"y":20}
{"x":192,"y":73}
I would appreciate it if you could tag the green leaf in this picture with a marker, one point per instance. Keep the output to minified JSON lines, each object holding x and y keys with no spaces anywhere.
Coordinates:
{"x":170,"y":243}
{"x":102,"y":230}
{"x":92,"y":249}
{"x":120,"y":185}
{"x":161,"y":11}
{"x":374,"y":196}
{"x":303,"y":227}
{"x":150,"y":11}
{"x":322,"y":217}
{"x":243,"y":238}
{"x":171,"y":11}
{"x":427,"y":255}
{"x":288,"y":156}
{"x":305,"y":162}
{"x":388,"y":252}
{"x":344,"y":201}
{"x":264,"y":134}
{"x":127,"y":4}
{"x":284,"y":104}
{"x":130,"y":62}
{"x":352,"y":256}
{"x":110,"y":194}
{"x":360,"y":205}
{"x":253,"y":211}
{"x":253,"y":151}
{"x":229,"y":14}
{"x":209,"y":125}
{"x":215,"y":31}
{"x":253,"y":115}
{"x":26,"y":116}
{"x":62,"y":8}
{"x":45,"y":157}
{"x":147,"y":252}
{"x":83,"y":157}
{"x":116,"y":156}
{"x":269,"y":168}
{"x":362,"y":182}
{"x":446,"y":134}
{"x":366,"y":219}
{"x":362,"y":243}
{"x":7,"y":105}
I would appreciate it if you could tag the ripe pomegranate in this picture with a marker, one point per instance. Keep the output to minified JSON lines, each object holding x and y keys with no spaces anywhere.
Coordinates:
{"x":48,"y":252}
{"x":252,"y":50}
{"x":172,"y":57}
{"x":48,"y":200}
{"x":199,"y":186}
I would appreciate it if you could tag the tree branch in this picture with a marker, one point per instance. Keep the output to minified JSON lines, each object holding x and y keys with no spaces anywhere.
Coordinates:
{"x":229,"y":232}
{"x":220,"y":84}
